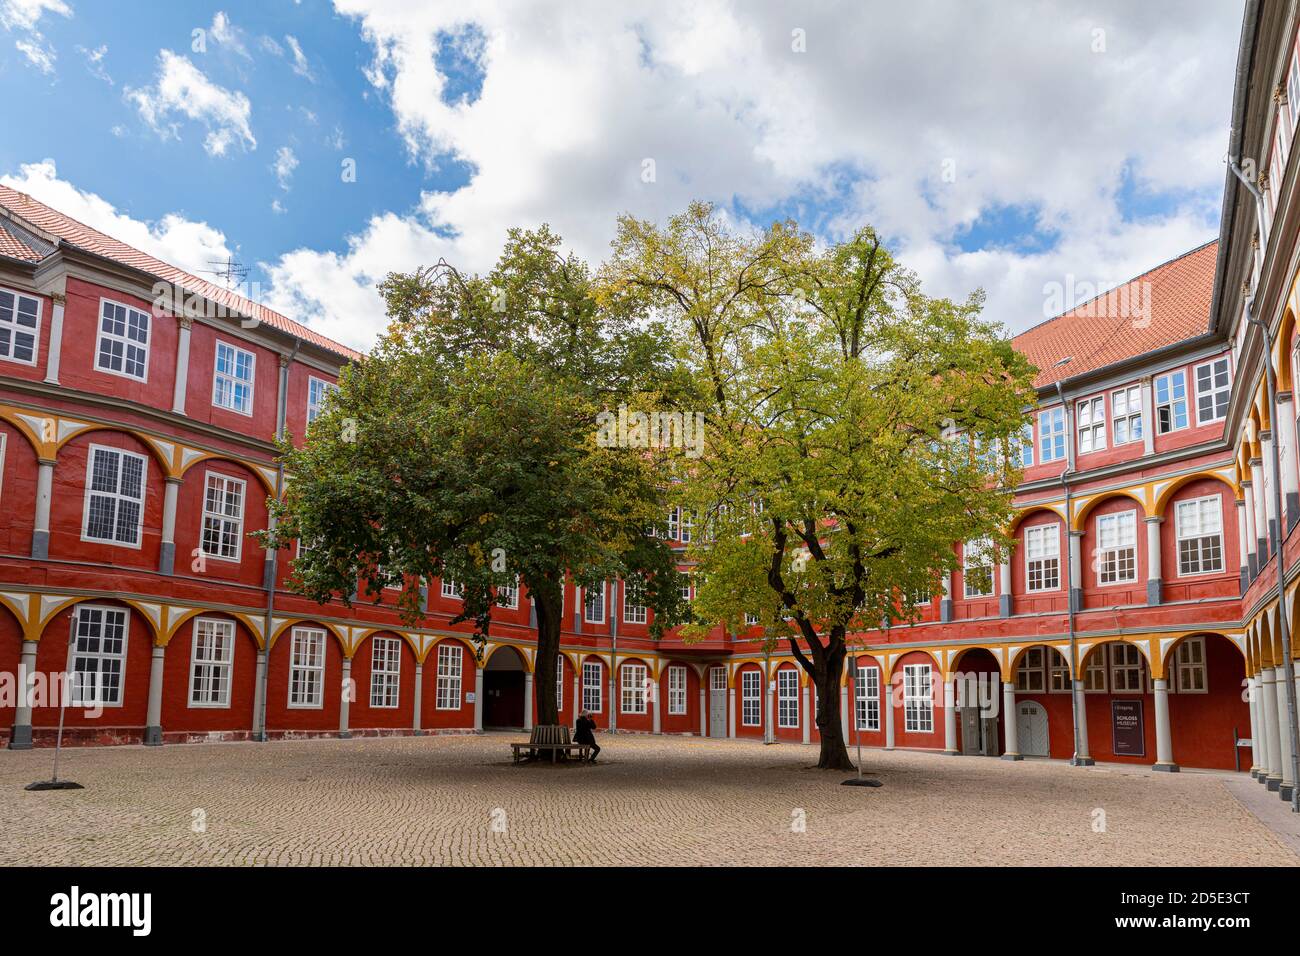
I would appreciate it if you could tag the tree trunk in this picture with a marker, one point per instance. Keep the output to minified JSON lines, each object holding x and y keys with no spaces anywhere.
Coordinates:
{"x":548,"y":649}
{"x":834,"y":754}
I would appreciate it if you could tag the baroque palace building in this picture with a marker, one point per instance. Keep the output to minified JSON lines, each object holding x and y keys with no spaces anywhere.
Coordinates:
{"x":137,"y":453}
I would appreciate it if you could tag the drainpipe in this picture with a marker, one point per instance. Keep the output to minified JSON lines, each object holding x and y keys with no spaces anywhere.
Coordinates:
{"x":1075,"y":664}
{"x":1284,"y":625}
{"x":615,"y":606}
{"x":273,"y":557}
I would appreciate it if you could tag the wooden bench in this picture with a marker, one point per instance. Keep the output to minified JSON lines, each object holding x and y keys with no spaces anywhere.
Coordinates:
{"x":552,"y":739}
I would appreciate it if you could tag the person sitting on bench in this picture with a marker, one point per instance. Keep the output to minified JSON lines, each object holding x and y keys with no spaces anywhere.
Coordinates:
{"x":582,"y":734}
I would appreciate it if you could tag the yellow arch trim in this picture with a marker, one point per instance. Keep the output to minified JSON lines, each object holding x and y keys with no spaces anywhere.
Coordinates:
{"x":496,"y":648}
{"x":262,"y":479}
{"x":1162,"y":501}
{"x":314,"y":622}
{"x":1081,"y":516}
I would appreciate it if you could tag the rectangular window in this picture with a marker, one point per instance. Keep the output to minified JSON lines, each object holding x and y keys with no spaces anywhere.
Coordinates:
{"x":1126,"y":414}
{"x":674,"y":524}
{"x":632,"y":688}
{"x":1051,"y":434}
{"x":223,"y":517}
{"x":591,"y":687}
{"x":212,"y":656}
{"x":123,"y":340}
{"x":307,"y":668}
{"x":866,"y":693}
{"x":1058,"y":672}
{"x":1213,"y":389}
{"x":559,"y":682}
{"x":687,"y":525}
{"x":1190,"y":666}
{"x":1127,"y":669}
{"x":1171,"y":402}
{"x":1091,"y":414}
{"x":385,"y":671}
{"x":676,"y":690}
{"x":751,"y":703}
{"x":1117,"y":548}
{"x":114,"y":496}
{"x":977,"y":568}
{"x":317,"y":391}
{"x":232,"y":382}
{"x":508,"y":595}
{"x":20,"y":326}
{"x":1200,"y":535}
{"x":98,"y":656}
{"x":787,"y":698}
{"x":634,"y":601}
{"x":1293,"y":91}
{"x":1030,"y":678}
{"x":918,"y":706}
{"x":1043,"y":557}
{"x":685,"y":586}
{"x":1094,"y":674}
{"x":1026,"y":443}
{"x":450,"y":661}
{"x":450,"y":589}
{"x":593,"y":610}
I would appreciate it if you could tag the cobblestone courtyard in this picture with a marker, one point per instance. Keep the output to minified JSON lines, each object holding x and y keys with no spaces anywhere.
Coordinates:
{"x":651,"y":800}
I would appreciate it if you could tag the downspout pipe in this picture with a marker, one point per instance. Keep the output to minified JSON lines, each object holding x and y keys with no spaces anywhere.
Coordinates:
{"x":1076,"y":760}
{"x":1284,"y":625}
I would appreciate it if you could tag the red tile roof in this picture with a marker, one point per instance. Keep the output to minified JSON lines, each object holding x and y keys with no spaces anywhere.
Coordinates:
{"x":1168,"y":304}
{"x":78,"y":234}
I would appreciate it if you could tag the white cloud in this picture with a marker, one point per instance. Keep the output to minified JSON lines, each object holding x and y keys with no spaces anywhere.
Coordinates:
{"x":95,"y":62}
{"x":300,"y":64}
{"x":285,"y":163}
{"x":23,"y":17}
{"x":228,"y":35}
{"x":576,"y":95}
{"x":182,"y":89}
{"x":172,"y":238}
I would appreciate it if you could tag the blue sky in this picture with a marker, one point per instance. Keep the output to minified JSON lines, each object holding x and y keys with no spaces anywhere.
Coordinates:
{"x":1000,"y":147}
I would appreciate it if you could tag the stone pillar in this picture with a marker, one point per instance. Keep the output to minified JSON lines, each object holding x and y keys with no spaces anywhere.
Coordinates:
{"x":1266,"y":702}
{"x":1259,"y":493}
{"x":1285,"y":427}
{"x":56,"y":339}
{"x":950,"y":717}
{"x":1164,"y":737}
{"x":345,"y":699}
{"x":1154,"y":572}
{"x":945,"y":600}
{"x":1267,"y":491}
{"x":809,"y":716}
{"x":419,"y":700}
{"x":153,"y":718}
{"x":731,"y":712}
{"x":182,"y":364}
{"x":259,"y":698}
{"x":167,"y":552}
{"x":889,"y":715}
{"x":478,"y":699}
{"x":1004,"y":587}
{"x":656,"y":719}
{"x":577,"y":691}
{"x":528,"y":700}
{"x":21,"y":737}
{"x":1251,"y":544}
{"x":1009,"y":721}
{"x":1286,"y":780}
{"x":41,"y":527}
{"x":1242,"y":538}
{"x":1076,"y":570}
{"x":704,"y":711}
{"x":844,"y":710}
{"x":1252,"y":693}
{"x":1084,"y":757}
{"x":1148,"y":419}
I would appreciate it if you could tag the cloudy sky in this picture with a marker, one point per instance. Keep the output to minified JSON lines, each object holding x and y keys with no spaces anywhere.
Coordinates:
{"x":1001,"y":145}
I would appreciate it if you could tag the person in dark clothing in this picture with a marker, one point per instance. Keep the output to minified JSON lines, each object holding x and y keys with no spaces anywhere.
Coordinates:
{"x":582,"y":734}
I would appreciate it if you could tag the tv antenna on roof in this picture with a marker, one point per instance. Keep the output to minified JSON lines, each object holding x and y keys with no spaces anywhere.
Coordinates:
{"x":232,"y":272}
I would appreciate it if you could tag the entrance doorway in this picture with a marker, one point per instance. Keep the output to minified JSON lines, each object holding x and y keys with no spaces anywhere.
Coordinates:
{"x":717,"y":702}
{"x":1031,"y":729}
{"x":503,"y":691}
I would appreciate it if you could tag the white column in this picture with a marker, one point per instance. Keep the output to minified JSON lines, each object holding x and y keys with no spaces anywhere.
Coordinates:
{"x":1261,"y":516}
{"x":528,"y":701}
{"x":808,"y":715}
{"x":731,"y":712}
{"x":1264,"y":724}
{"x":1243,"y":542}
{"x":20,"y":738}
{"x":259,"y":689}
{"x":577,"y":691}
{"x":167,"y":551}
{"x":1284,"y":428}
{"x":345,"y":696}
{"x":1148,"y":419}
{"x":1083,"y":757}
{"x":1252,"y":695}
{"x":1283,"y":729}
{"x":704,"y":712}
{"x":1251,"y":544}
{"x":1269,"y":489}
{"x":1269,"y":713}
{"x":889,"y":715}
{"x":41,"y":528}
{"x":56,"y":339}
{"x":945,"y":598}
{"x":656,"y":725}
{"x":153,"y":718}
{"x":478,"y":699}
{"x":419,"y":699}
{"x":182,"y":365}
{"x":950,"y":716}
{"x":844,"y":711}
{"x":1009,"y":721}
{"x":1154,"y":571}
{"x":1164,"y":737}
{"x":1004,"y":587}
{"x":1076,"y":569}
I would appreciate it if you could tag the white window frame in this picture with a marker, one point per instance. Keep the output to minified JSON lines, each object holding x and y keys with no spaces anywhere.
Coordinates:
{"x":385,"y":672}
{"x":314,"y":408}
{"x":76,"y":689}
{"x":787,"y":700}
{"x":918,"y":703}
{"x":1136,"y":666}
{"x":1130,"y":414}
{"x":751,"y":698}
{"x":1213,"y":391}
{"x":559,"y":682}
{"x":1051,"y":430}
{"x":1171,"y":376}
{"x":125,"y":339}
{"x":1102,"y":552}
{"x":1096,"y":672}
{"x":1198,"y":534}
{"x":116,"y":496}
{"x":674,"y":523}
{"x":219,"y":376}
{"x":1090,"y":424}
{"x":1045,"y":552}
{"x":223,"y":519}
{"x":587,"y":604}
{"x":450,"y":589}
{"x":307,"y":670}
{"x":1184,"y":670}
{"x":866,"y":693}
{"x":631,"y":685}
{"x":510,"y":591}
{"x":980,"y":549}
{"x":593,"y":698}
{"x":448,"y":686}
{"x":1026,"y":441}
{"x":4,"y":448}
{"x":633,"y":613}
{"x":211,"y":670}
{"x":1031,"y":671}
{"x":16,"y":328}
{"x":676,"y":690}
{"x":1058,"y":667}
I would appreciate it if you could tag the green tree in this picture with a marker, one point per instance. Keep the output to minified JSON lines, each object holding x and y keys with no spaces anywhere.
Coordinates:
{"x":465,"y":447}
{"x":854,"y":426}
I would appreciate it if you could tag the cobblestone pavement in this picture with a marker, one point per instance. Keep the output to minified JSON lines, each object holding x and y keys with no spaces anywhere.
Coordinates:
{"x":650,"y":800}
